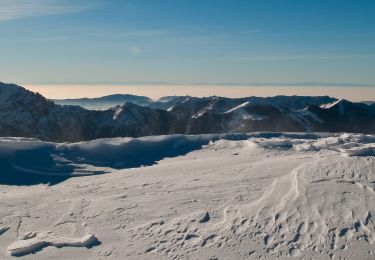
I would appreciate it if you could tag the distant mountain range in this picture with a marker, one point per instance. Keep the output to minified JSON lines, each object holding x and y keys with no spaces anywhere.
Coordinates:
{"x":168,"y":102}
{"x":105,"y":102}
{"x":28,"y":114}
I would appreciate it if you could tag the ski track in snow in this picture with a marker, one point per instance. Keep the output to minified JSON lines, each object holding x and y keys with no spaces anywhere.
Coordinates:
{"x":258,"y":197}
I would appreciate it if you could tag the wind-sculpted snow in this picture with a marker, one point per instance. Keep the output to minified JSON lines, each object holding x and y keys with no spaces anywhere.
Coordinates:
{"x":30,"y":161}
{"x":25,"y":158}
{"x":28,"y":156}
{"x":233,"y":196}
{"x":321,"y":206}
{"x":40,"y":241}
{"x":288,"y":218}
{"x":347,"y":144}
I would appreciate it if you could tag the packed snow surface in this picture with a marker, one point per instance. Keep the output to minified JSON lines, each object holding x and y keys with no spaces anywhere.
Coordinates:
{"x":231,"y":196}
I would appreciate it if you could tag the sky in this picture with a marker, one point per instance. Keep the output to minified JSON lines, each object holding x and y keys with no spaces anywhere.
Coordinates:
{"x":260,"y":44}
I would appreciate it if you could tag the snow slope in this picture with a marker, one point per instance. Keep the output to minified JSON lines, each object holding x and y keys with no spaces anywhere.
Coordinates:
{"x":231,"y":196}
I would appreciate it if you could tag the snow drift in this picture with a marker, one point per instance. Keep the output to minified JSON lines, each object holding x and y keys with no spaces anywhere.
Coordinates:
{"x":31,"y":156}
{"x":230,"y":196}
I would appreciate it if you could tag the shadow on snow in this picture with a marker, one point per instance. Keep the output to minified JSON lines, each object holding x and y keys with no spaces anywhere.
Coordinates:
{"x":30,"y":162}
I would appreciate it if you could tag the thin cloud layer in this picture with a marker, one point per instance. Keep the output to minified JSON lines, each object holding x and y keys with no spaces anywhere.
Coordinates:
{"x":11,"y":9}
{"x":298,"y":58}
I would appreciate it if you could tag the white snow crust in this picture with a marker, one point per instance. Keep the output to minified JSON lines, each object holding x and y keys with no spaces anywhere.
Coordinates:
{"x":231,"y":196}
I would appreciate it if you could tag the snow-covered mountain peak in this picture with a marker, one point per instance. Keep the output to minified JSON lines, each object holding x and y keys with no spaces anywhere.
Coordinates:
{"x":27,"y":114}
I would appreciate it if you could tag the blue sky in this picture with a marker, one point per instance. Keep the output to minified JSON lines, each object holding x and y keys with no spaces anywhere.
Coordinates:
{"x":302,"y":42}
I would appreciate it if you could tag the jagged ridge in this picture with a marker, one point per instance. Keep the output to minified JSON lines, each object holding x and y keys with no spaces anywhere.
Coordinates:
{"x":28,"y":114}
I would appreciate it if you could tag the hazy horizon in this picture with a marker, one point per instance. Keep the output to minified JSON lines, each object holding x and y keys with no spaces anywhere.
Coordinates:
{"x":214,"y":42}
{"x":155,"y":91}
